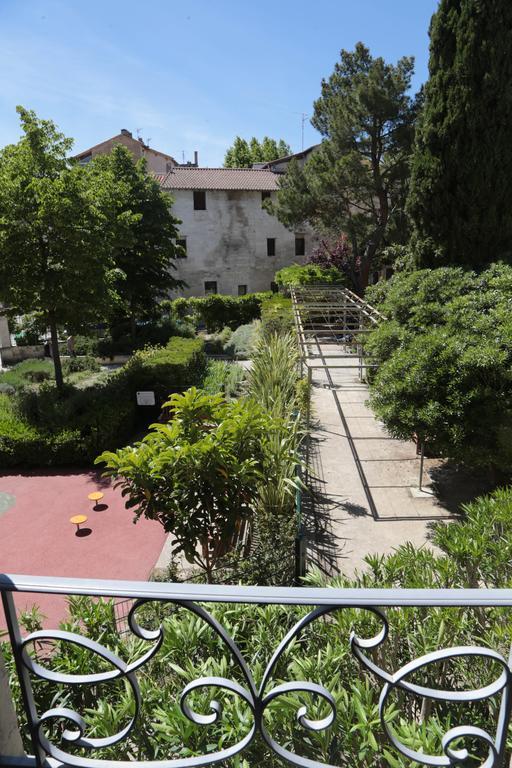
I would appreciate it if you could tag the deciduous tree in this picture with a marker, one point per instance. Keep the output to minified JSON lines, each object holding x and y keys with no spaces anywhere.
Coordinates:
{"x":243,"y":153}
{"x":55,"y":232}
{"x":145,"y":248}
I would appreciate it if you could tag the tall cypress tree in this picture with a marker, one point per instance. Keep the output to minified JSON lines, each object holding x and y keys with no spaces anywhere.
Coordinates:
{"x":460,"y":197}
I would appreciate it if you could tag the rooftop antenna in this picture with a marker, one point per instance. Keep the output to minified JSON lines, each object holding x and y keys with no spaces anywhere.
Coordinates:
{"x":183,"y":156}
{"x":138,"y":130}
{"x":303,"y":120}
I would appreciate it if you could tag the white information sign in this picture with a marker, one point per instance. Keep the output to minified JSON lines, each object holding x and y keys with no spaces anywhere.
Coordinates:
{"x":145,"y":398}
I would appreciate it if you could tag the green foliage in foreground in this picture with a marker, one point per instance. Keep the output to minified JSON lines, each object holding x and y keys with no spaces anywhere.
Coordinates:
{"x":445,"y":357}
{"x":475,"y":552}
{"x":309,"y":274}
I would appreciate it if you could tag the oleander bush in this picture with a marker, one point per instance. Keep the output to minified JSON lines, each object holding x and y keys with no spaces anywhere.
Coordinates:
{"x":477,"y":552}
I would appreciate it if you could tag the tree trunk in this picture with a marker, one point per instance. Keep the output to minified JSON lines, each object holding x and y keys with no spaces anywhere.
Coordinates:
{"x":59,"y":380}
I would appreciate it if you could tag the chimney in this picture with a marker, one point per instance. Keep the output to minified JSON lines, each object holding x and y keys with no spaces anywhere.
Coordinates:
{"x":196,"y":159}
{"x":125,"y":132}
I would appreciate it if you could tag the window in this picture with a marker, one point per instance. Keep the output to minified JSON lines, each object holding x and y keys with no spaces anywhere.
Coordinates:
{"x":271,"y":246}
{"x":210,"y":286}
{"x":85,"y":159}
{"x":274,"y":287}
{"x":265,"y":196}
{"x":389,"y":272}
{"x":182,"y":242}
{"x":300,"y":246}
{"x":242,"y":290}
{"x":199,"y":200}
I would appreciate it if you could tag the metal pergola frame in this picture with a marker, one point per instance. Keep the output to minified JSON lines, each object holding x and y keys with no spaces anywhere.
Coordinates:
{"x":327,"y":315}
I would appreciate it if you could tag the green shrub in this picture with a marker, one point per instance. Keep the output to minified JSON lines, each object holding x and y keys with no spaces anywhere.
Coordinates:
{"x":223,"y":377}
{"x":219,"y":311}
{"x":243,"y":340}
{"x":276,"y":315}
{"x":309,"y":274}
{"x":78,"y":364}
{"x":40,"y":427}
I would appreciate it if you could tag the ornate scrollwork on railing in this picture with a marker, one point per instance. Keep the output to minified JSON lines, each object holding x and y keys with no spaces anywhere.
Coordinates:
{"x":259,"y":697}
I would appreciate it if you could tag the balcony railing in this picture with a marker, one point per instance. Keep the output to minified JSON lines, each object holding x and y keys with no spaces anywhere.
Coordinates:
{"x":321,"y":605}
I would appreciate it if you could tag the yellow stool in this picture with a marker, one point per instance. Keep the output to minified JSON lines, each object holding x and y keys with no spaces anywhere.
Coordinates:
{"x":77,"y":520}
{"x":96,"y":497}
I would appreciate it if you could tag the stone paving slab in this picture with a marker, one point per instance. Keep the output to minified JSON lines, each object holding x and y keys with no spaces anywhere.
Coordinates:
{"x":342,"y":530}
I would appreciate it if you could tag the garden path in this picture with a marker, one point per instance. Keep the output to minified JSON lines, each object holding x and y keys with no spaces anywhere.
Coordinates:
{"x":365,"y":483}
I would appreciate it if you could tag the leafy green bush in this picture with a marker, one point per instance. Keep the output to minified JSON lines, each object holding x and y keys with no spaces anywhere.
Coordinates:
{"x":78,"y":364}
{"x":242,"y":341}
{"x":309,"y":274}
{"x":445,"y":356}
{"x":40,"y":427}
{"x":276,"y":315}
{"x":219,"y":311}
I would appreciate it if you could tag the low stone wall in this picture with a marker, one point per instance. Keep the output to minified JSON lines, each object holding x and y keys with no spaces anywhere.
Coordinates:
{"x":13,"y":355}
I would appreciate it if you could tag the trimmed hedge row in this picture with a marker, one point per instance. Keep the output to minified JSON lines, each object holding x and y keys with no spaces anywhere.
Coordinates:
{"x":218,"y":311}
{"x":309,"y":274}
{"x":42,"y":428}
{"x":277,"y":315}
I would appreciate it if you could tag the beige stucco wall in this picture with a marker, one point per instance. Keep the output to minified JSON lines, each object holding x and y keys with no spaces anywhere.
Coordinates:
{"x":228,"y":242}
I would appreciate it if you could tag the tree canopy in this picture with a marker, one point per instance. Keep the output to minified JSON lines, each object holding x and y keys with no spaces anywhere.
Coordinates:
{"x":460,"y":184}
{"x":145,"y":249}
{"x":356,"y":181}
{"x":56,"y":231}
{"x":243,"y":153}
{"x":445,"y":359}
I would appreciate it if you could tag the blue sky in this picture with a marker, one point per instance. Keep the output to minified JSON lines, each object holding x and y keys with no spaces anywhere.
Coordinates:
{"x":190,"y":74}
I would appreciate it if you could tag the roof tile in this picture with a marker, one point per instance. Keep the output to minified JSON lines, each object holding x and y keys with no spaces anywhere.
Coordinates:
{"x":220,"y":178}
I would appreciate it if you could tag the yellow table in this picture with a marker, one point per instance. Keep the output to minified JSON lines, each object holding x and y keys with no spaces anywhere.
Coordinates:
{"x":96,"y":496}
{"x":77,"y":520}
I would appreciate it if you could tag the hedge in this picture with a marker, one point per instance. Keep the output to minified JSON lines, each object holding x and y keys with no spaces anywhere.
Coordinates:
{"x":219,"y":311}
{"x":308,"y":274}
{"x":277,"y":315}
{"x":42,"y":428}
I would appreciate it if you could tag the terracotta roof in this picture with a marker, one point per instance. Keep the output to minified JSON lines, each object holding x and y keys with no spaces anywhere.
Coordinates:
{"x":220,"y":178}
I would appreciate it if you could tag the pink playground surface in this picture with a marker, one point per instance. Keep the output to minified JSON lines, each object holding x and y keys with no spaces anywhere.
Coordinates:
{"x":36,"y":537}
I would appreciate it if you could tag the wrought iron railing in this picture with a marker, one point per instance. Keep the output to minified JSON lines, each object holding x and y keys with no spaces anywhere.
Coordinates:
{"x":321,"y":603}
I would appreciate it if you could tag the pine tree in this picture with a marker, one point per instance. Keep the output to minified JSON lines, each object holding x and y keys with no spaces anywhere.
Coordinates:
{"x":460,"y":200}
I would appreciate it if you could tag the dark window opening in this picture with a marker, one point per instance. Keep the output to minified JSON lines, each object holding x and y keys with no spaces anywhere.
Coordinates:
{"x":199,"y":200}
{"x":182,"y":242}
{"x":265,"y":196}
{"x":210,"y":286}
{"x":242,"y":290}
{"x":389,"y":272}
{"x":274,"y":287}
{"x":271,"y":246}
{"x":300,"y":246}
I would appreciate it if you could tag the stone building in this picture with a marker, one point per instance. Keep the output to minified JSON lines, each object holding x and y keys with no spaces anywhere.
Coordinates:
{"x":231,"y":244}
{"x":157,"y":162}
